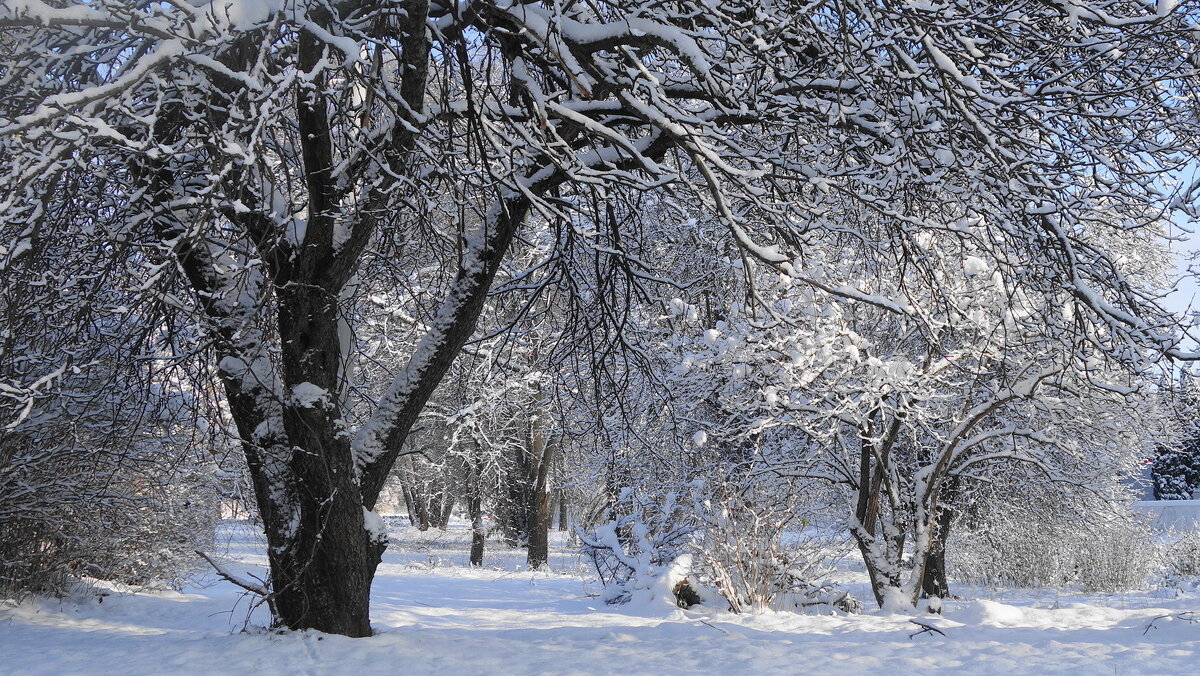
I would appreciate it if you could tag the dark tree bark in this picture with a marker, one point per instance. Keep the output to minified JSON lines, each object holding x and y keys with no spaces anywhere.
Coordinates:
{"x":421,"y":505}
{"x":447,"y":510}
{"x":475,"y":512}
{"x":934,"y":583}
{"x":515,"y":510}
{"x":539,"y":508}
{"x":562,"y":510}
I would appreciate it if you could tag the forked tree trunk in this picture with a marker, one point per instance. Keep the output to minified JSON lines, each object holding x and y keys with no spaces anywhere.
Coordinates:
{"x":284,"y":382}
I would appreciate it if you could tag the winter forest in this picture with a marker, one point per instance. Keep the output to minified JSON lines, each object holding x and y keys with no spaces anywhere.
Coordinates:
{"x":676,"y":336}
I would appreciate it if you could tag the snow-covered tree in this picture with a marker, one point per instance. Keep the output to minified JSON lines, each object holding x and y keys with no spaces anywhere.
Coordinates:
{"x":962,"y":378}
{"x":244,"y":159}
{"x":1175,"y":467}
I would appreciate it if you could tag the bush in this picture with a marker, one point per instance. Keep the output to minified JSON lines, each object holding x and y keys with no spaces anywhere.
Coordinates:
{"x":1110,"y":549}
{"x":69,"y":512}
{"x":757,"y":549}
{"x":1181,"y":558}
{"x":753,"y":551}
{"x":634,"y":551}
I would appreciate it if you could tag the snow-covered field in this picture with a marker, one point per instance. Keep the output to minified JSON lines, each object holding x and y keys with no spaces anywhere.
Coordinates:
{"x":434,"y":614}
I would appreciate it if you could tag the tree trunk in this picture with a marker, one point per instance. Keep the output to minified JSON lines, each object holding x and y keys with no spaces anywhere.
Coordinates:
{"x":539,"y":531}
{"x":409,"y":504}
{"x":475,"y":513}
{"x":513,"y":512}
{"x":420,"y":507}
{"x":443,"y":520}
{"x":934,"y":583}
{"x":538,"y":508}
{"x":434,"y":509}
{"x":323,"y":581}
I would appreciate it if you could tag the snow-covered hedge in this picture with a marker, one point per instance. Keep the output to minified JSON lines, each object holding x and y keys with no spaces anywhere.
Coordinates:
{"x":69,"y":513}
{"x":1107,"y":550}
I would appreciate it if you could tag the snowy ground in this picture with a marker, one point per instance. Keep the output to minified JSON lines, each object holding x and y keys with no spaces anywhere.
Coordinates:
{"x":433,"y":614}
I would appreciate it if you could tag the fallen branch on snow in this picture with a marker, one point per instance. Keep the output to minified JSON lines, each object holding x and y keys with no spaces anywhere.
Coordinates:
{"x":1189,"y":616}
{"x":926,"y":628}
{"x":715,"y":627}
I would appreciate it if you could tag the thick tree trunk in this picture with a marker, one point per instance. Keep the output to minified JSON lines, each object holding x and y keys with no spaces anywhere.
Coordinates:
{"x":323,"y":580}
{"x":934,"y":583}
{"x":323,"y":572}
{"x":514,"y":512}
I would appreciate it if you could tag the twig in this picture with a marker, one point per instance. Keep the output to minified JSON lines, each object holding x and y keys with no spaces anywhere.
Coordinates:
{"x":715,"y":627}
{"x":1189,"y":616}
{"x":926,"y":628}
{"x":230,"y":577}
{"x":260,"y":590}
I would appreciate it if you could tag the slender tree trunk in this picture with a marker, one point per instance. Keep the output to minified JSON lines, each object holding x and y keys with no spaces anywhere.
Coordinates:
{"x":420,"y":499}
{"x":443,"y":520}
{"x":475,"y":512}
{"x":539,"y":531}
{"x":539,"y":509}
{"x":409,"y":504}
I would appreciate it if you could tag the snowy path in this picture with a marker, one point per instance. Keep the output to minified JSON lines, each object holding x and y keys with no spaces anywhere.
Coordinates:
{"x":448,"y":619}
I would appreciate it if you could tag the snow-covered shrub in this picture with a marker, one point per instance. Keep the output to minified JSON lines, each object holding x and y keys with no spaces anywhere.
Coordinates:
{"x":1108,"y":549}
{"x":750,"y":548}
{"x":1181,"y":558}
{"x":69,"y":513}
{"x":641,"y":551}
{"x":755,"y":546}
{"x":161,"y":526}
{"x":104,"y":474}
